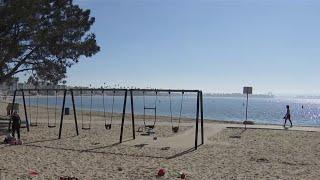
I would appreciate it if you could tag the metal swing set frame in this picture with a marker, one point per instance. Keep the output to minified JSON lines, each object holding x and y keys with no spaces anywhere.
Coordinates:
{"x":199,"y":109}
{"x":28,"y":116}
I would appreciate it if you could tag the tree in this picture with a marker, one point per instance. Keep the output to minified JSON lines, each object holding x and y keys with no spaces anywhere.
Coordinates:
{"x":12,"y":80}
{"x":44,"y":37}
{"x":33,"y":81}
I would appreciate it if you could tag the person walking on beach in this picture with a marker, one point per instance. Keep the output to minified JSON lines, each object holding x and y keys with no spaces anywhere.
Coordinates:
{"x":287,"y":117}
{"x":16,"y":121}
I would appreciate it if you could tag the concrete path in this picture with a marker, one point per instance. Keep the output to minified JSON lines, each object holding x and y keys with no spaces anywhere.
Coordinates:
{"x":187,"y":138}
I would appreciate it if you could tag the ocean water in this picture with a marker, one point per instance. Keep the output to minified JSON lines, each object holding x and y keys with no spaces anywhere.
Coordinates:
{"x":261,"y":110}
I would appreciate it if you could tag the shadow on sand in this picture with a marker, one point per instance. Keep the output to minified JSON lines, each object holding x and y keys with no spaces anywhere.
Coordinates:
{"x":94,"y":150}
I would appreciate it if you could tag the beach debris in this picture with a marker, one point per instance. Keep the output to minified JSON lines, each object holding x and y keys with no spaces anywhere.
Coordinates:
{"x":163,"y":165}
{"x":161,"y":172}
{"x":175,"y":172}
{"x":155,"y":138}
{"x":235,"y":136}
{"x":262,"y":160}
{"x":18,"y":142}
{"x":68,"y":178}
{"x":182,"y":175}
{"x":8,"y":139}
{"x":140,"y":145}
{"x":165,"y":148}
{"x":33,"y":173}
{"x":179,"y":174}
{"x":12,"y":141}
{"x":119,"y":169}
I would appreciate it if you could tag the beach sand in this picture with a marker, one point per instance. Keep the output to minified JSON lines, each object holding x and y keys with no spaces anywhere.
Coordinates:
{"x":228,"y":153}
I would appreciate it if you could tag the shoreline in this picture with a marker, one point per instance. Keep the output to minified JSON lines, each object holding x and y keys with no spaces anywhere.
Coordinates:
{"x":140,"y":116}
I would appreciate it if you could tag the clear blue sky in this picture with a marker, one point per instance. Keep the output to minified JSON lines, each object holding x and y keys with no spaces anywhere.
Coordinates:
{"x":213,"y":45}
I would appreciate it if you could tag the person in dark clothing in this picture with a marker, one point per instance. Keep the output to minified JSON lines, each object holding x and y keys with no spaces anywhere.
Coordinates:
{"x":287,"y":117}
{"x":16,"y":121}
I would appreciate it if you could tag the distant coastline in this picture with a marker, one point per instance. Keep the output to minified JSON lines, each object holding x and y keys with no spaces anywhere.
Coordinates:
{"x":238,"y":95}
{"x":308,"y":97}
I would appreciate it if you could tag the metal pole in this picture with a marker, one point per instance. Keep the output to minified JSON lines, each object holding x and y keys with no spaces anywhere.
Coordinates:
{"x":62,"y":113}
{"x":201,"y":112}
{"x":74,"y":112}
{"x":197,"y":120}
{"x":25,"y":110}
{"x":132,"y":115}
{"x":247,"y":107}
{"x":123,"y":114}
{"x":245,"y":124}
{"x":12,"y":106}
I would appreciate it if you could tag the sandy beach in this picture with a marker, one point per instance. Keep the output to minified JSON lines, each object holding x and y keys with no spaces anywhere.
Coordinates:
{"x":159,"y":90}
{"x":229,"y":152}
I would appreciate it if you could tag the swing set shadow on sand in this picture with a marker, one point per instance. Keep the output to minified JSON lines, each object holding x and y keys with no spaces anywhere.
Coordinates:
{"x":143,"y":92}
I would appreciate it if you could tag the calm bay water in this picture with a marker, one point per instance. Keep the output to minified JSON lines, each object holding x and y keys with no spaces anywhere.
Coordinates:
{"x":262,"y":110}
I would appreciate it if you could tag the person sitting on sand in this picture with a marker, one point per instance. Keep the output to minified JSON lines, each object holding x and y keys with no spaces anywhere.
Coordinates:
{"x":287,"y":117}
{"x":16,"y":121}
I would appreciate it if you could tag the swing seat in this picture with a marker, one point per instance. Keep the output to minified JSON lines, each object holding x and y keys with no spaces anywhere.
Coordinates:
{"x":85,"y":128}
{"x":108,"y":126}
{"x":52,"y":126}
{"x":145,"y":134}
{"x":175,"y":129}
{"x":150,"y":126}
{"x":32,"y":124}
{"x":151,"y":131}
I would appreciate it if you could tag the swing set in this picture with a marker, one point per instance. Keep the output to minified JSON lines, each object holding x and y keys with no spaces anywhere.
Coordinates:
{"x":86,"y":118}
{"x":175,"y":129}
{"x":36,"y":116}
{"x":31,"y":119}
{"x":175,"y":126}
{"x":107,"y":119}
{"x":108,"y":115}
